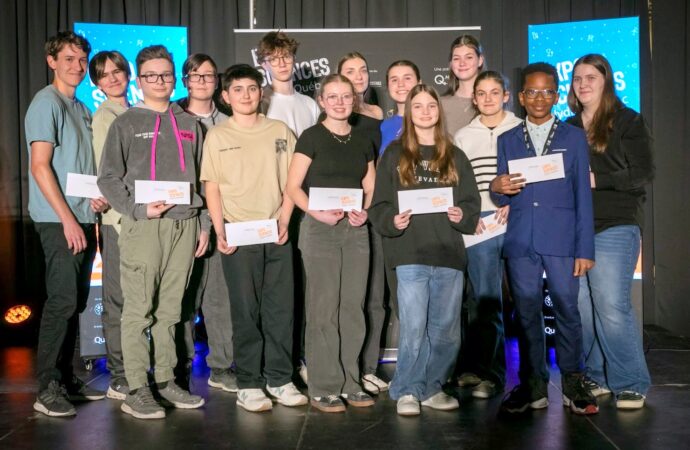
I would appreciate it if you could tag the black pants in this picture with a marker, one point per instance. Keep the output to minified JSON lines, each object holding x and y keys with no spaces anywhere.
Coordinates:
{"x":67,"y":285}
{"x":260,"y":284}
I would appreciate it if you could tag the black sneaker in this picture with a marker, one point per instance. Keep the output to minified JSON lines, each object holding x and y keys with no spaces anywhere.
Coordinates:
{"x":523,"y":397}
{"x":79,"y":391}
{"x":52,"y":401}
{"x":595,"y":388}
{"x":629,"y":400}
{"x":576,"y":396}
{"x":223,"y":379}
{"x":328,"y":403}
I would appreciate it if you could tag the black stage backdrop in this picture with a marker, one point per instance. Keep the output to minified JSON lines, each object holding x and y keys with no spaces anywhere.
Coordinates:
{"x":26,"y":24}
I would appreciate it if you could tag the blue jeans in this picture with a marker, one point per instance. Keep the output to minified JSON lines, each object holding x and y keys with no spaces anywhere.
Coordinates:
{"x":484,"y":345}
{"x":612,"y":342}
{"x":429,"y":301}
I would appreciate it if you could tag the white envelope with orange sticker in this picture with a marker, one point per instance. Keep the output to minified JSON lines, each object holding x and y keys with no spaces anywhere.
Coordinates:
{"x":323,"y":199}
{"x":539,"y":168}
{"x":493,"y":229}
{"x":172,"y":192}
{"x":425,"y":201}
{"x":251,"y":232}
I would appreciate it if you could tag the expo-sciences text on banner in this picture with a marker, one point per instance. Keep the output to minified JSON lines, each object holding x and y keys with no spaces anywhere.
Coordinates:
{"x":561,"y":44}
{"x":129,"y":40}
{"x":321,"y":49}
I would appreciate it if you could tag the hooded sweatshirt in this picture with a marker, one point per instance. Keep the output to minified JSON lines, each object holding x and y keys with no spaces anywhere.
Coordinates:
{"x":479,"y":144}
{"x":134,"y":151}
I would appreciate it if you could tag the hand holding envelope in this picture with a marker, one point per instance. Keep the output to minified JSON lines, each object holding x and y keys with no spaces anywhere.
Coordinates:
{"x":426,"y":201}
{"x":539,"y":168}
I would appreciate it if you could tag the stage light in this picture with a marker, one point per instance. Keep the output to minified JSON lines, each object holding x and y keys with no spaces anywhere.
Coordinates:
{"x":17,"y":314}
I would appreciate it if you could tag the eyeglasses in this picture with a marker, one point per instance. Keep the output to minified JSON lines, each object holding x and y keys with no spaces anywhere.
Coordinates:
{"x":345,"y":99}
{"x":275,"y":60}
{"x":197,"y":77}
{"x":548,"y":94}
{"x":167,"y":77}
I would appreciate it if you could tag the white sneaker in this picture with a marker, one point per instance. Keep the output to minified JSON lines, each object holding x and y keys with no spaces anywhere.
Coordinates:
{"x":373,"y":384}
{"x":254,"y":400}
{"x":442,"y":402}
{"x":408,"y":405}
{"x":288,"y":395}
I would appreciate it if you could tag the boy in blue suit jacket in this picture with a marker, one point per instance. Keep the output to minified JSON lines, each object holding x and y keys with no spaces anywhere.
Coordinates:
{"x":550,"y":229}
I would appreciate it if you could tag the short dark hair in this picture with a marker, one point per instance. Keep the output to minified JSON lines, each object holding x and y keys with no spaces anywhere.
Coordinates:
{"x":56,"y":43}
{"x":97,"y":64}
{"x":538,"y":67}
{"x":276,"y":40}
{"x":153,"y":52}
{"x":239,"y":71}
{"x":194,"y":61}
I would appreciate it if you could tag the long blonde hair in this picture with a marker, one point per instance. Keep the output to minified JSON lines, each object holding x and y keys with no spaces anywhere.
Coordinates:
{"x":443,"y":161}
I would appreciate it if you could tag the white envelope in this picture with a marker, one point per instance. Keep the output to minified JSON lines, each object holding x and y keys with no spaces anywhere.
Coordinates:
{"x":321,"y":199}
{"x":173,"y":192}
{"x":251,"y":232}
{"x":79,"y":185}
{"x":425,"y":201}
{"x":539,"y":168}
{"x":493,"y":229}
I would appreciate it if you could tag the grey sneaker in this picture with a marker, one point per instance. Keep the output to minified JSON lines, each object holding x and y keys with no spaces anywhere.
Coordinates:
{"x":142,"y":405}
{"x":485,"y":389}
{"x":223,"y":379}
{"x":328,"y":403}
{"x":52,"y":401}
{"x":118,"y":389}
{"x":179,"y":397}
{"x":78,"y":391}
{"x":359,"y":399}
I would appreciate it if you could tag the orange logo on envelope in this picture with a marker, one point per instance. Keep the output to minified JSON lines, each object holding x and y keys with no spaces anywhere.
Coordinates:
{"x":346,"y":200}
{"x":438,"y":201}
{"x":174,"y":193}
{"x":549,"y":168}
{"x":265,"y":232}
{"x":491,"y":227}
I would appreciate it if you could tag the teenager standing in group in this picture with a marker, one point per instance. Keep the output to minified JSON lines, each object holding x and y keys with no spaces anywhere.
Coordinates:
{"x":58,"y":136}
{"x":109,"y":70}
{"x":207,"y":289}
{"x":367,"y":119}
{"x":426,"y":250}
{"x":245,"y":170}
{"x":466,"y":61}
{"x":621,"y":164}
{"x":335,"y":248}
{"x":154,"y":140}
{"x":484,"y":344}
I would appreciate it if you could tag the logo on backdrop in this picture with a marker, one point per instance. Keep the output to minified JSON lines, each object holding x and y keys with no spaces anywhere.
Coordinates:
{"x":306,"y":73}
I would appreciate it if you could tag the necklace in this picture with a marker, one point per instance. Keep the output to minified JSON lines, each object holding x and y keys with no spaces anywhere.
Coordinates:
{"x":342,"y":141}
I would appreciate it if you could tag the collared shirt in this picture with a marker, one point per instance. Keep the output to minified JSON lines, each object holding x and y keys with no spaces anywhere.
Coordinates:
{"x":539,"y":134}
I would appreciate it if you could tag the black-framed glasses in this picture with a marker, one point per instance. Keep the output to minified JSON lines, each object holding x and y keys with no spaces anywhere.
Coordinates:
{"x":548,"y":94}
{"x":197,"y":77}
{"x":275,"y":60}
{"x":167,"y":77}
{"x":346,"y":99}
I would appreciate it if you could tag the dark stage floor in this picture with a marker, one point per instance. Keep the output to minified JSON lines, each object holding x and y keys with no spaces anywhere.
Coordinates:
{"x":663,"y":424}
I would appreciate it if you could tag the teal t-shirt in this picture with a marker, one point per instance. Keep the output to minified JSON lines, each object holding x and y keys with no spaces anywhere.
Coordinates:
{"x":66,"y":123}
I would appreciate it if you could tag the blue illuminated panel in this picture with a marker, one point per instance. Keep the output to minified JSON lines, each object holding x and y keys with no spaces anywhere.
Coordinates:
{"x":561,"y":44}
{"x":129,"y":40}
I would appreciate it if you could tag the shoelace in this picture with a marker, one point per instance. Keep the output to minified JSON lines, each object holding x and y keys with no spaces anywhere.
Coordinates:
{"x":145,"y":395}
